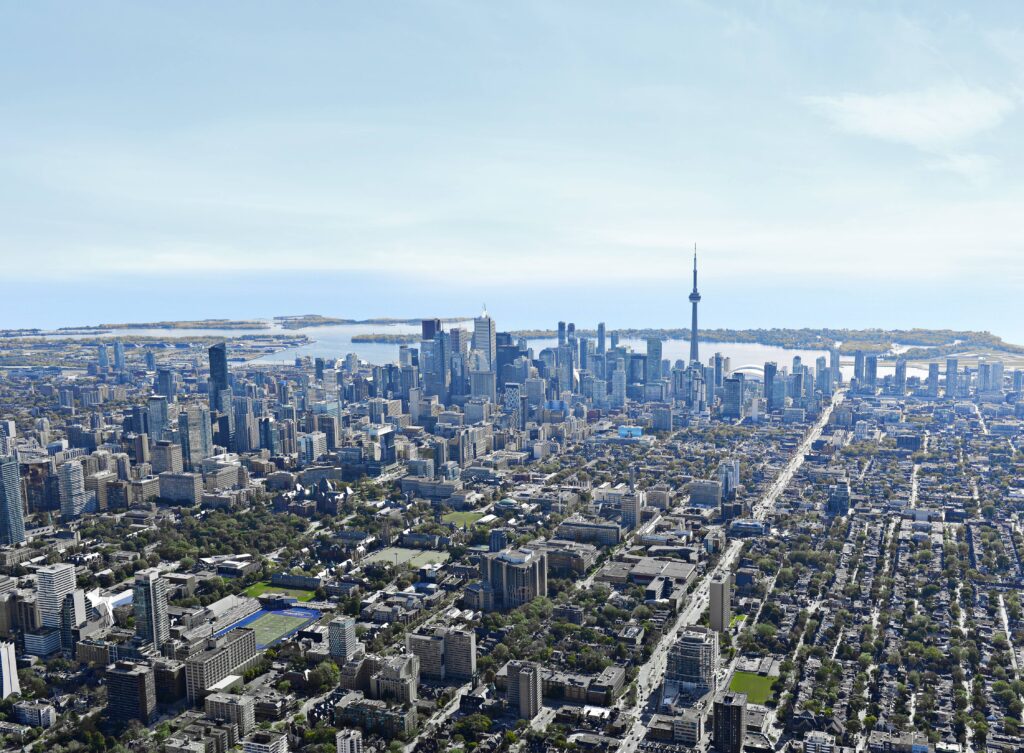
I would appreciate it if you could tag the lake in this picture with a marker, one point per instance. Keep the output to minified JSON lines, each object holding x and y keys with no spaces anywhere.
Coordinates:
{"x":335,"y":341}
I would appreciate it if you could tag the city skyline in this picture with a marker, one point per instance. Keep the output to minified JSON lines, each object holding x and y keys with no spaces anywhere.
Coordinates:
{"x":512,"y":377}
{"x":358,"y":151}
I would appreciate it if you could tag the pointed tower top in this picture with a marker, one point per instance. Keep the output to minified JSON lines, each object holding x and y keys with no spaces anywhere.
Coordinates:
{"x":694,"y":267}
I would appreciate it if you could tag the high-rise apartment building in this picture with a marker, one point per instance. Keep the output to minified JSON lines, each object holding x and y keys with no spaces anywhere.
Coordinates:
{"x":240,"y":710}
{"x":71,"y":483}
{"x":131,"y":692}
{"x":512,"y":578}
{"x":652,"y":366}
{"x":459,"y":654}
{"x":167,"y":457}
{"x":633,"y":508}
{"x":222,"y":656}
{"x":152,"y":622}
{"x":732,"y":397}
{"x":933,"y":380}
{"x":525,"y":688}
{"x":53,"y":583}
{"x":349,"y":741}
{"x":692,"y":664}
{"x":12,"y":506}
{"x":429,"y":648}
{"x":195,"y":429}
{"x":729,"y":722}
{"x":218,"y":375}
{"x":721,"y":602}
{"x":341,"y":637}
{"x":952,"y":377}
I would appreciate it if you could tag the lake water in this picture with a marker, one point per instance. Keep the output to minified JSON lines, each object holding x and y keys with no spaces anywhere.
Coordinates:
{"x":335,"y":341}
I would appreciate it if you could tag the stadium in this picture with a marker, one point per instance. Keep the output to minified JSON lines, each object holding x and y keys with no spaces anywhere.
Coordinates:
{"x":273,"y":626}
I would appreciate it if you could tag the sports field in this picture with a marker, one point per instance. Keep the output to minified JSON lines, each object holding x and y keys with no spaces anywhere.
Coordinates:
{"x":460,"y":519}
{"x":257,"y":589}
{"x":271,"y":627}
{"x":757,"y":687}
{"x":398,"y":555}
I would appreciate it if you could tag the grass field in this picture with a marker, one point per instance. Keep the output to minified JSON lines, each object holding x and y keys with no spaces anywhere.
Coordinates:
{"x":462,"y":518}
{"x":275,"y":625}
{"x":757,"y":687}
{"x":412,"y":557}
{"x":257,"y":589}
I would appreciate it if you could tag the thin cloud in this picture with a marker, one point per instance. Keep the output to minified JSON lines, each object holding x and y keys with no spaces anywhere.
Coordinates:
{"x":930,"y":120}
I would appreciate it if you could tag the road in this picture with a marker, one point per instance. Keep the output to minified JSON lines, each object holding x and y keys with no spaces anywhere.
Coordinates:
{"x":649,"y":677}
{"x":439,"y":718}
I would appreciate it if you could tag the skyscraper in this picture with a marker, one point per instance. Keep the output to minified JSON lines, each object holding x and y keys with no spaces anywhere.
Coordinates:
{"x":652,"y":370}
{"x":429,"y":328}
{"x":512,"y":400}
{"x":12,"y":511}
{"x":694,"y":299}
{"x":460,"y":654}
{"x":158,"y":416}
{"x":196,"y":432}
{"x":952,"y":370}
{"x":692,"y":664}
{"x":729,"y":722}
{"x":71,"y":483}
{"x":118,"y":355}
{"x":900,"y":377}
{"x":525,"y":688}
{"x":933,"y":381}
{"x":131,"y":692}
{"x":770,"y":370}
{"x":619,"y":384}
{"x":633,"y":508}
{"x":721,"y":602}
{"x":165,"y":384}
{"x":484,"y":339}
{"x":732,"y":396}
{"x":53,"y":583}
{"x":601,"y":339}
{"x":871,"y":370}
{"x":152,"y":622}
{"x":218,"y":374}
{"x":341,"y":636}
{"x":513,"y":577}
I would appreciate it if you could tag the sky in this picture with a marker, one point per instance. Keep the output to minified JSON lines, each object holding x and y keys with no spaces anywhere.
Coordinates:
{"x":837,"y":164}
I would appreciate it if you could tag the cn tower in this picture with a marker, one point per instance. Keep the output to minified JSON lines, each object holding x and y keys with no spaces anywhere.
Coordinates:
{"x":694,"y":299}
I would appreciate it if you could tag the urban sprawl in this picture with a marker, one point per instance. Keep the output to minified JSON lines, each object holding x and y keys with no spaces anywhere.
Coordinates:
{"x":480,"y":547}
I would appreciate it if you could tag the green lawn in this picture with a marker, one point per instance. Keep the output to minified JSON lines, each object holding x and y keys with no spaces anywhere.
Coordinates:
{"x":274,"y":625}
{"x":257,"y":589}
{"x":461,"y":519}
{"x":736,"y":620}
{"x":397,"y":555}
{"x":757,"y":687}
